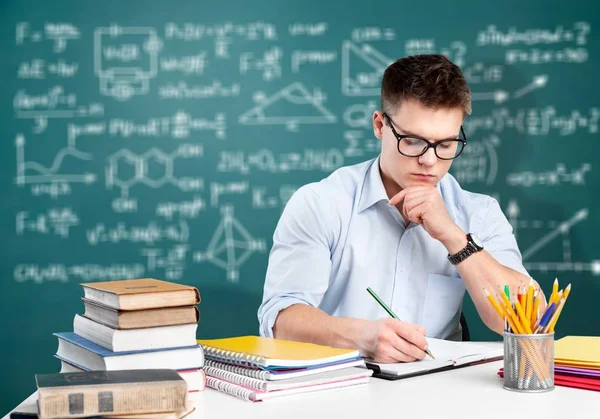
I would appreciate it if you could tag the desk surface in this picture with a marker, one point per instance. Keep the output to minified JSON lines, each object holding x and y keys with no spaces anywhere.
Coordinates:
{"x":472,"y":392}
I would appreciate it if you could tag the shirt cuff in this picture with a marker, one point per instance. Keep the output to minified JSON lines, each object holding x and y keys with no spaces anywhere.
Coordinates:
{"x":270,"y":312}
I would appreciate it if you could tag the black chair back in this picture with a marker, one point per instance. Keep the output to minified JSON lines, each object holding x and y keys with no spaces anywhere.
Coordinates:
{"x":466,"y":336}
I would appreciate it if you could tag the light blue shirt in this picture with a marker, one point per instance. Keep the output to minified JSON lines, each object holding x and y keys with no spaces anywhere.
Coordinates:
{"x":339,"y":236}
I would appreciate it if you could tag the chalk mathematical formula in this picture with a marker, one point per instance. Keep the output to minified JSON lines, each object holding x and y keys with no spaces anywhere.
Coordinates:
{"x":171,"y":150}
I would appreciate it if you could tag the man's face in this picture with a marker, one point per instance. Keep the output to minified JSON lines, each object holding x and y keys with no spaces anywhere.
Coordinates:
{"x":400,"y":172}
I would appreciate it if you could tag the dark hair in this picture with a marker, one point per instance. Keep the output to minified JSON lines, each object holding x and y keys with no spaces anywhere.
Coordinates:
{"x":432,"y":79}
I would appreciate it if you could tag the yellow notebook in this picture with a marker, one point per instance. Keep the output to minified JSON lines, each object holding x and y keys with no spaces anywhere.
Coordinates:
{"x":269,"y":353}
{"x":581,"y":350}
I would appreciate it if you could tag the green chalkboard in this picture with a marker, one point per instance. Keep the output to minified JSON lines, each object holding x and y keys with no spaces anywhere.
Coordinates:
{"x":163,"y":139}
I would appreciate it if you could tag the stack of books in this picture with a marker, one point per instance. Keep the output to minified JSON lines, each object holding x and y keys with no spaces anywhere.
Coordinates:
{"x":136,"y":324}
{"x":256,"y":368}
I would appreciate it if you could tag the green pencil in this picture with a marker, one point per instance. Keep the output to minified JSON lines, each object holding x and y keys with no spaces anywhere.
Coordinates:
{"x":390,"y":312}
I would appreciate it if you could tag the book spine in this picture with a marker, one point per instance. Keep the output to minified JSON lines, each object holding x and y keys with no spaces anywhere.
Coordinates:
{"x":258,"y":374}
{"x":229,"y":388}
{"x":138,"y":398}
{"x":236,"y":378}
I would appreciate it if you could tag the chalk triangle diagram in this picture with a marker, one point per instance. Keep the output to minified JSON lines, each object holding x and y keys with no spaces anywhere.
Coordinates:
{"x":362,"y":69}
{"x":290,"y":106}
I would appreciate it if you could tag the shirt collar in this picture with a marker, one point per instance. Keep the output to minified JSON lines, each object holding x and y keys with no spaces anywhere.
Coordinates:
{"x":373,"y":190}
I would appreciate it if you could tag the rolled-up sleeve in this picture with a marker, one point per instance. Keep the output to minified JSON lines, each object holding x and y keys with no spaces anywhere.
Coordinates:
{"x":300,"y":259}
{"x":499,"y":240}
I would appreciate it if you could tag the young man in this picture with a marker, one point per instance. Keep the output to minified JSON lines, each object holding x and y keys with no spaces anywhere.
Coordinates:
{"x":399,"y":224}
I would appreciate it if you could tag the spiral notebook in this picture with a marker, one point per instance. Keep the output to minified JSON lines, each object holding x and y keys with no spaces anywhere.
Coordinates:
{"x":270,"y":353}
{"x":291,"y":383}
{"x":255,"y":395}
{"x":277,"y":375}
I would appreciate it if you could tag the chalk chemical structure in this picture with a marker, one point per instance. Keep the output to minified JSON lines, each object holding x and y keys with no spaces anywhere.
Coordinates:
{"x":162,"y":173}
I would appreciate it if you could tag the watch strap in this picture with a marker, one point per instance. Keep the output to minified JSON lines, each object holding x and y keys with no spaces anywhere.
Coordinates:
{"x":465,"y":252}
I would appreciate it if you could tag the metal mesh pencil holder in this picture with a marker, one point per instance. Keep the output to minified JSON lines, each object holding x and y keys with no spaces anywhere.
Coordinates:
{"x":529,"y":362}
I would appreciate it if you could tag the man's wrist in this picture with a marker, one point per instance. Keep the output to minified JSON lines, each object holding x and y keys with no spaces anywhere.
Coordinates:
{"x":455,"y":240}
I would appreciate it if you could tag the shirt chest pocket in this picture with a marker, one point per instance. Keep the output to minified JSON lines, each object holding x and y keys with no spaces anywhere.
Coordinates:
{"x":443,"y":305}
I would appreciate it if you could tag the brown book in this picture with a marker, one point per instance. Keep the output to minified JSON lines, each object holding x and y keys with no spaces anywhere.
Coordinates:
{"x":92,"y":393}
{"x":139,"y":294}
{"x":28,"y":409}
{"x":135,"y":319}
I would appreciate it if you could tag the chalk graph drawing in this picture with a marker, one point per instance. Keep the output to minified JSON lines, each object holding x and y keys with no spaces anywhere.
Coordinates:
{"x":499,"y":96}
{"x":362,"y":69}
{"x":33,"y":172}
{"x":550,"y":231}
{"x":229,"y":238}
{"x":290,"y":106}
{"x":125,"y":59}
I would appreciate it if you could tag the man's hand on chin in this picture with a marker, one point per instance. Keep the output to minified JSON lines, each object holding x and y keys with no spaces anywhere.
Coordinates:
{"x":424,"y":205}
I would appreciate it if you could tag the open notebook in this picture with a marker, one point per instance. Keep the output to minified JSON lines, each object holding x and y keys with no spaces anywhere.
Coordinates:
{"x":448,"y":354}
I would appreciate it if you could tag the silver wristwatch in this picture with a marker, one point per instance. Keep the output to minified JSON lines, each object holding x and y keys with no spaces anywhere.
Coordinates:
{"x":474,"y":245}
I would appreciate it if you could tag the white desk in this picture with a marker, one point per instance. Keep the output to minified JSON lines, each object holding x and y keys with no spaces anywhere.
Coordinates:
{"x":472,"y":392}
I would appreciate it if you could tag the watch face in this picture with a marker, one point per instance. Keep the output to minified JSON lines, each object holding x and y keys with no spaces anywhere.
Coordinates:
{"x":476,"y":240}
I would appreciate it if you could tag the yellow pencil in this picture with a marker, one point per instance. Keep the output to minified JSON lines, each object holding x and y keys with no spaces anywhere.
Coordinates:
{"x":520,"y":295}
{"x":557,"y":297}
{"x":536,"y":308}
{"x":523,"y":318}
{"x":559,"y":309}
{"x":521,"y":380}
{"x":529,"y":307}
{"x":554,"y":317}
{"x":511,"y":323}
{"x":567,"y":291}
{"x":511,"y":313}
{"x":491,"y":299}
{"x":554,"y":291}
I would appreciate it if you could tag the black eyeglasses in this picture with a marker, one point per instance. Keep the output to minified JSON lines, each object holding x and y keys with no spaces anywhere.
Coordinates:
{"x":415,"y":146}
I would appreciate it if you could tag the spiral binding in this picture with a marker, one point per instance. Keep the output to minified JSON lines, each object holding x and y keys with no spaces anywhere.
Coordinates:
{"x":229,"y":388}
{"x":231,"y":357}
{"x":235,"y":378}
{"x":258,"y":374}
